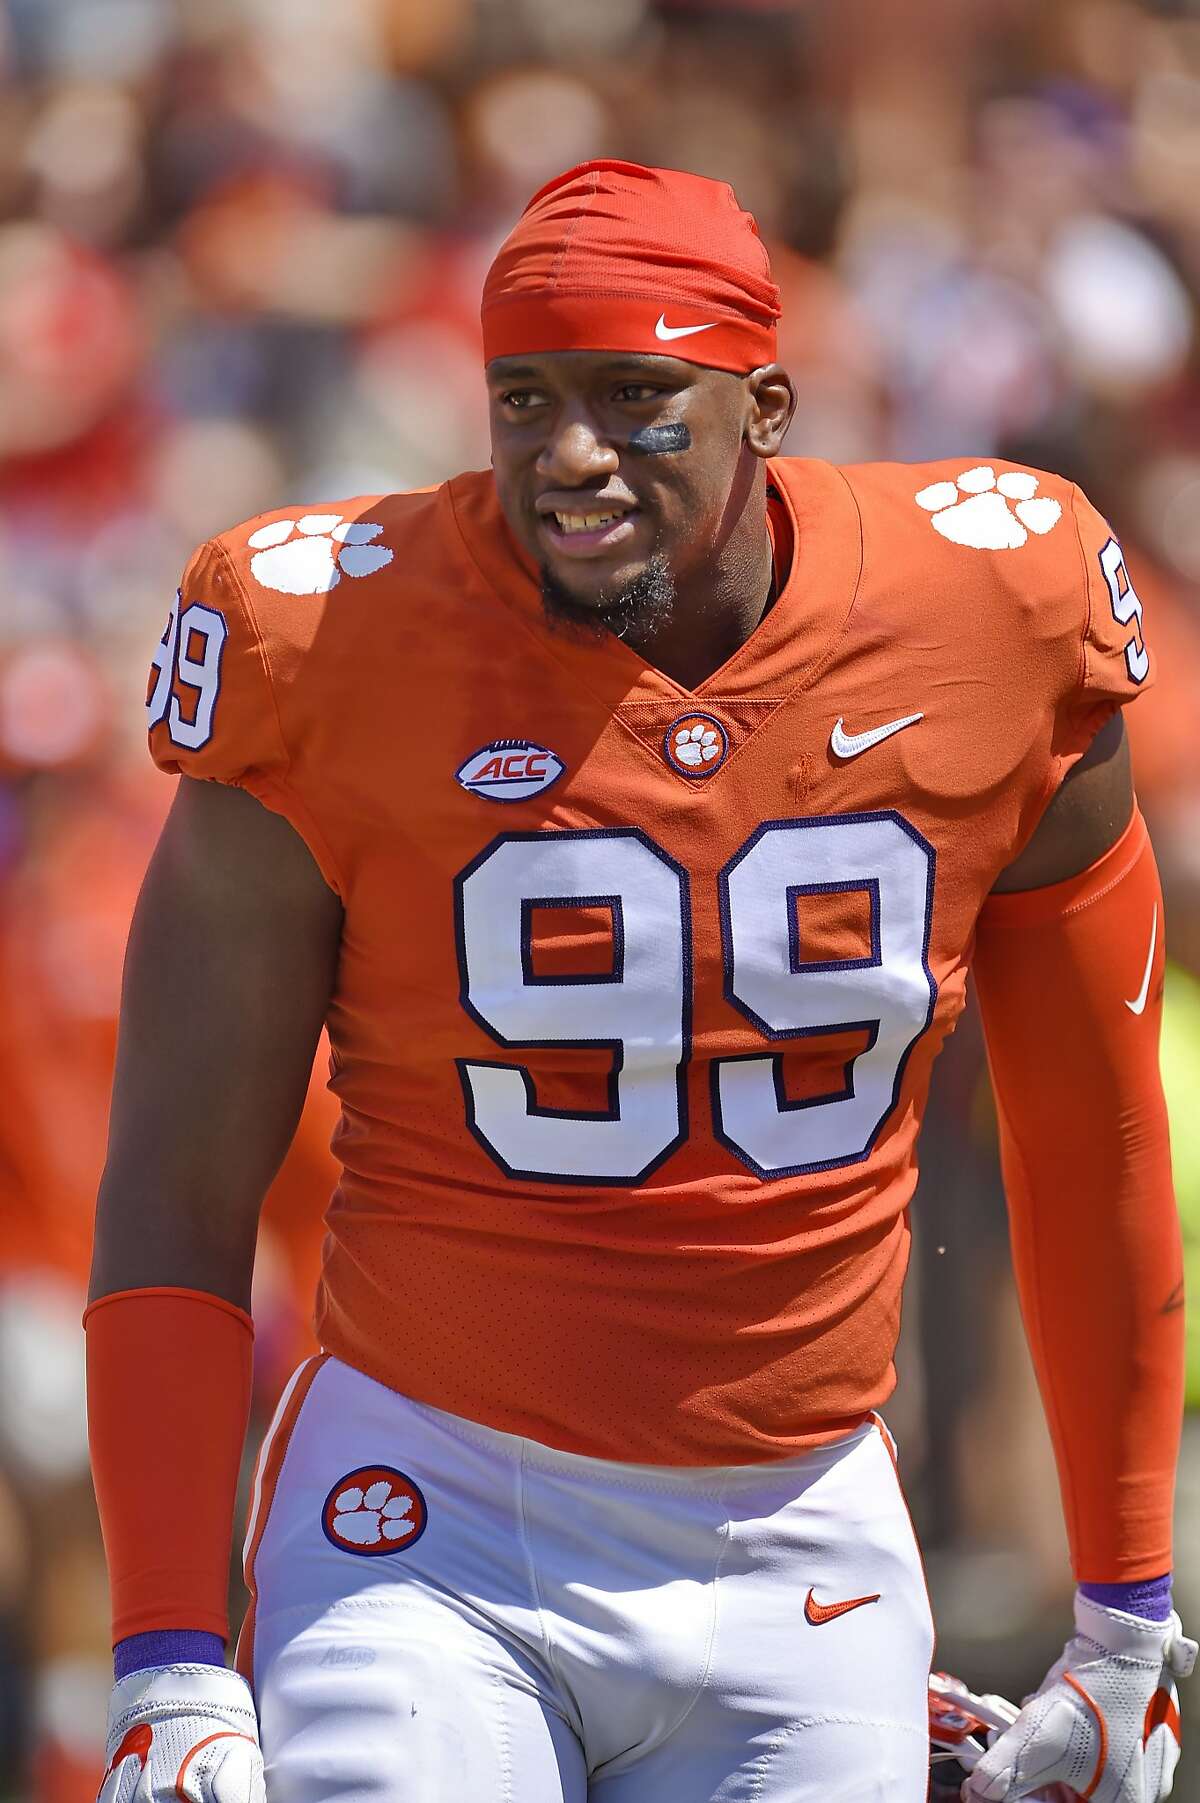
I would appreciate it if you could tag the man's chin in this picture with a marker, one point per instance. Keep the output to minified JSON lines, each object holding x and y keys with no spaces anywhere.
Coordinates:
{"x":590,"y":582}
{"x":629,"y":602}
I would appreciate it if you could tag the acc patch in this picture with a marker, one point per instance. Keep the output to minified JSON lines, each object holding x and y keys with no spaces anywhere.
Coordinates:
{"x":509,"y":770}
{"x":696,"y":744}
{"x":373,"y":1510}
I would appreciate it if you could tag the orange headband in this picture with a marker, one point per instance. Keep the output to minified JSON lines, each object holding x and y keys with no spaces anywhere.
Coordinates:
{"x":613,"y":256}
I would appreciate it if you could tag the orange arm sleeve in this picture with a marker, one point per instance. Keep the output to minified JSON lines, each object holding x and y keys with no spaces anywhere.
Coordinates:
{"x":1070,"y":984}
{"x":168,"y":1385}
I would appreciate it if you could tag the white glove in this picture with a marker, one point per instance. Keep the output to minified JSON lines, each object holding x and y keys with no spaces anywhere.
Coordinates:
{"x":1105,"y":1720}
{"x":182,"y":1731}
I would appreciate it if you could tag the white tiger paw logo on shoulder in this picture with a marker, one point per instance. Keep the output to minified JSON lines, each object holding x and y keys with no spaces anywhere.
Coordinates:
{"x":988,"y":512}
{"x":309,"y":556}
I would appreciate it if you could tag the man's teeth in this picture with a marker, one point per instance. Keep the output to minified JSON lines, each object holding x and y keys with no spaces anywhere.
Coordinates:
{"x":584,"y":522}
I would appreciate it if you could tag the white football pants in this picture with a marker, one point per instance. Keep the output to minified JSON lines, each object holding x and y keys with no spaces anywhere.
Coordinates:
{"x":447,"y":1614}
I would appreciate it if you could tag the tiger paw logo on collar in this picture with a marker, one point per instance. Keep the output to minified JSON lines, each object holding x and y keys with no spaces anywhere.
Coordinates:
{"x":696,"y":745}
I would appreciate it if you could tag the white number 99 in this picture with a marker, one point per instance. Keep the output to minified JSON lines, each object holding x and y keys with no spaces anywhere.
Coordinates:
{"x":189,"y":653}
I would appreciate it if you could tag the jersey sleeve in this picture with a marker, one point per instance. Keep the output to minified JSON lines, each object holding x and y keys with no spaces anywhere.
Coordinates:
{"x":1116,"y":661}
{"x":211,"y":705}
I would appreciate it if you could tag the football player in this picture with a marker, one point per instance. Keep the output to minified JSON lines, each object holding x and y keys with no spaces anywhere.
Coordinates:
{"x":631,"y":812}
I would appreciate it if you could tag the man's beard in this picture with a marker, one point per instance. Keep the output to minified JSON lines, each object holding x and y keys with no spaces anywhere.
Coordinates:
{"x":633,"y":612}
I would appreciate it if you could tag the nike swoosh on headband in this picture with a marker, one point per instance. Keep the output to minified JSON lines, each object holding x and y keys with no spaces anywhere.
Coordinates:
{"x":663,"y":330}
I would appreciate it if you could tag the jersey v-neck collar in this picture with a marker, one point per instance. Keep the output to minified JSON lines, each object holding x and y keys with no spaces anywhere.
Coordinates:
{"x":786,"y":647}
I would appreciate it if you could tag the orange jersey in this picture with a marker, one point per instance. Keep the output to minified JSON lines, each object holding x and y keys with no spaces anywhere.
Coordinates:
{"x":640,"y":988}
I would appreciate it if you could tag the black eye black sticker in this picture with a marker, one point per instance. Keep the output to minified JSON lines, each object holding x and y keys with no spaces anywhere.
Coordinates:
{"x":658,"y":441}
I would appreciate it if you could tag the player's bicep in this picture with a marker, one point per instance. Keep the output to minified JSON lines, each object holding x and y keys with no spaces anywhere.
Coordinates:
{"x":1088,"y":815}
{"x":228,"y":974}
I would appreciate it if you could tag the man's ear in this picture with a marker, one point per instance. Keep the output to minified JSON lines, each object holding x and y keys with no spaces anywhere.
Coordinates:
{"x":771,"y":402}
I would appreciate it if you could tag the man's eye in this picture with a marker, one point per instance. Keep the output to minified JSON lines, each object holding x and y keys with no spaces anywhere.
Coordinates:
{"x":637,"y":391}
{"x":520,"y":398}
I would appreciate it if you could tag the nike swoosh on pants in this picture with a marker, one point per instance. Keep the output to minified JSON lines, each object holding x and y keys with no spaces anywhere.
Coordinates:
{"x":818,"y":1613}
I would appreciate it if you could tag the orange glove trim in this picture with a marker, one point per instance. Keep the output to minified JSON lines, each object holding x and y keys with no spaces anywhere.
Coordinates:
{"x":1071,"y":995}
{"x":168,"y":1384}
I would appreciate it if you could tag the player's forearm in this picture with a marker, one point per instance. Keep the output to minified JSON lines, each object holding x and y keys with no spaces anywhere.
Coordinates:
{"x":168,"y":1375}
{"x":169,"y":1345}
{"x":1071,"y":994}
{"x":149,"y":1236}
{"x":1096,"y":1298}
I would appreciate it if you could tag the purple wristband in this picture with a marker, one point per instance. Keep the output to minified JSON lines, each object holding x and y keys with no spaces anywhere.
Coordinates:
{"x":167,"y":1646}
{"x":1150,"y":1597}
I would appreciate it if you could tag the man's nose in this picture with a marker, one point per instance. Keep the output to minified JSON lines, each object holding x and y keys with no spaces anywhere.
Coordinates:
{"x":575,"y":454}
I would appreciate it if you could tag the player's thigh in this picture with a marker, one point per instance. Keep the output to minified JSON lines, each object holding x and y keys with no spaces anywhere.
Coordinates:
{"x":799,"y":1735}
{"x":817,"y":1680}
{"x":390,"y":1596}
{"x":809,"y":1761}
{"x":410,"y":1703}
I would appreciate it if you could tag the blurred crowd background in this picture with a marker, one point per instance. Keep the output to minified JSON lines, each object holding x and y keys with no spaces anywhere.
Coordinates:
{"x":241,"y":243}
